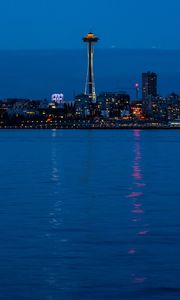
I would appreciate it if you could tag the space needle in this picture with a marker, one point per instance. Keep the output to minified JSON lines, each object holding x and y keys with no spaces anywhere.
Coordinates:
{"x":90,"y":90}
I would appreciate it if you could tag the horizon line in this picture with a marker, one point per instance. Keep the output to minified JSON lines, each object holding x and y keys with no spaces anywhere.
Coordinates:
{"x":97,"y":48}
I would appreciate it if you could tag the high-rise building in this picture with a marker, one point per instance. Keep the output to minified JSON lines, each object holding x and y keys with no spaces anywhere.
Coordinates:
{"x":90,"y":39}
{"x":149,"y":85}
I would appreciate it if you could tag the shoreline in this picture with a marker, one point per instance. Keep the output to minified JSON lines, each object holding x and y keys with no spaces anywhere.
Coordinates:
{"x":88,"y":128}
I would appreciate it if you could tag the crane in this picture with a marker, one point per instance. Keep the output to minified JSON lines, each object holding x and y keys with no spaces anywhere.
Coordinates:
{"x":135,"y":88}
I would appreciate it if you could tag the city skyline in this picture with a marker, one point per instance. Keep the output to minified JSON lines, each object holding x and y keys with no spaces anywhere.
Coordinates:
{"x":89,"y":133}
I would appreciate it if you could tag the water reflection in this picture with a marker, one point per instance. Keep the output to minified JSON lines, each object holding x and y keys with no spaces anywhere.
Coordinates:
{"x":138,"y":226}
{"x":55,"y":214}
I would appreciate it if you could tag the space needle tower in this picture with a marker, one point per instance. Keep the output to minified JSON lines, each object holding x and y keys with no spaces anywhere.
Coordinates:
{"x":90,"y":39}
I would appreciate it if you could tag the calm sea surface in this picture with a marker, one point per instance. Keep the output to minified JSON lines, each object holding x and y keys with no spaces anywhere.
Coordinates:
{"x":89,"y":215}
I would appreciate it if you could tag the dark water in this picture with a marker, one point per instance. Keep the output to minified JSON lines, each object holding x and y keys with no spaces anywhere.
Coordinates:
{"x":89,"y":215}
{"x":38,"y":74}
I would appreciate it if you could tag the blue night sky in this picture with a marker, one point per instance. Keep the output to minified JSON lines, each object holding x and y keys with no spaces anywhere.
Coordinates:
{"x":44,"y":24}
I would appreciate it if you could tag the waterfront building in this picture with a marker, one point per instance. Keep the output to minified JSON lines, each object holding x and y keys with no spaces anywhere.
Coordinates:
{"x":160,"y":112}
{"x":22,"y":107}
{"x":136,"y":110}
{"x":113,"y":105}
{"x":163,"y":108}
{"x":173,"y":106}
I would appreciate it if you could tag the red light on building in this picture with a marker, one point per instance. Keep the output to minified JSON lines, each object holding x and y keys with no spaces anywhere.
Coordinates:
{"x":136,"y":110}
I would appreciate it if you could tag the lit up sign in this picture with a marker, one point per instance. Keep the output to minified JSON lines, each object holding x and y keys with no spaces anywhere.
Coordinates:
{"x":58,"y":98}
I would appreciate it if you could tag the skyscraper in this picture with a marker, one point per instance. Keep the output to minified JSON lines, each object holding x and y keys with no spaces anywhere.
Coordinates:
{"x":90,"y":39}
{"x":149,"y":85}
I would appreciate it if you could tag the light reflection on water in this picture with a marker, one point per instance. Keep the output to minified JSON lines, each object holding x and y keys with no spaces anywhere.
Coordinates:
{"x":56,"y":217}
{"x":98,"y":221}
{"x":138,"y":211}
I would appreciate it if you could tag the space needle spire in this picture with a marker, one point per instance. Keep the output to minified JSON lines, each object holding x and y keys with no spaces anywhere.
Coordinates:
{"x":90,"y":90}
